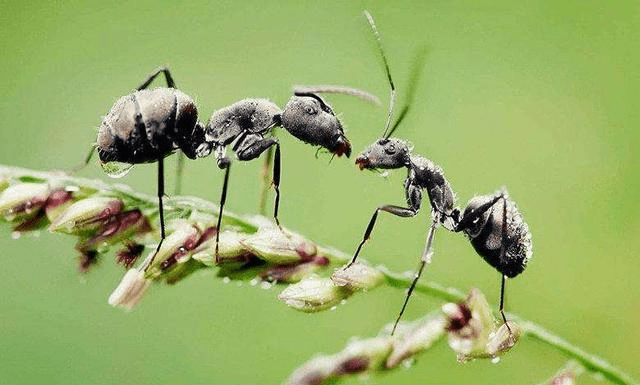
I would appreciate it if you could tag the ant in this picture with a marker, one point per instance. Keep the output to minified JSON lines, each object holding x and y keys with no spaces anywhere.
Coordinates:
{"x":148,"y":125}
{"x":306,"y":116}
{"x":503,"y":241}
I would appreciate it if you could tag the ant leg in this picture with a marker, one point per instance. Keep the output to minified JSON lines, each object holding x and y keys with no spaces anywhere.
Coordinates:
{"x":147,"y":263}
{"x":276,"y":183}
{"x":266,"y":183}
{"x":83,"y":164}
{"x":502,"y":252}
{"x":504,"y":317}
{"x":167,"y":76}
{"x":426,"y":258}
{"x":250,"y":148}
{"x":395,"y":210}
{"x":224,"y":163}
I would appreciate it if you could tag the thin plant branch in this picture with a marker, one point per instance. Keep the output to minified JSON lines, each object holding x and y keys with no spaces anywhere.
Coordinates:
{"x":185,"y":207}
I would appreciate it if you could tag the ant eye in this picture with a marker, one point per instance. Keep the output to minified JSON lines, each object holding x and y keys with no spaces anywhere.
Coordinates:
{"x":391,"y":149}
{"x":311,"y":110}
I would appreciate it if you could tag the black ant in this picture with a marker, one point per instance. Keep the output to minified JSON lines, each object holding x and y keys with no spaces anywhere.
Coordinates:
{"x":503,"y":242}
{"x":244,"y":125}
{"x":148,"y":125}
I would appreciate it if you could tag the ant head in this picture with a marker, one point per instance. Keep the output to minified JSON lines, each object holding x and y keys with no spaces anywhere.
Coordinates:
{"x":389,"y":152}
{"x":307,"y":117}
{"x":385,"y":153}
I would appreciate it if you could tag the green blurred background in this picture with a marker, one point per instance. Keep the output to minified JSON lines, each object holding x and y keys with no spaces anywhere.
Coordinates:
{"x":539,"y":96}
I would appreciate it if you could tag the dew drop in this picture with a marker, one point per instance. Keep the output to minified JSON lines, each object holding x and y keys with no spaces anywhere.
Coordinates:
{"x":226,"y":280}
{"x":408,"y":363}
{"x":253,"y":282}
{"x":239,"y":283}
{"x":15,"y":235}
{"x":495,"y":360}
{"x":333,"y":308}
{"x":116,"y":169}
{"x":265,"y":285}
{"x":343,"y":302}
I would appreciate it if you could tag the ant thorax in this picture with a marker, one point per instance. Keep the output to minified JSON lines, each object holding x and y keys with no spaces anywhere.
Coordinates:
{"x":427,"y":175}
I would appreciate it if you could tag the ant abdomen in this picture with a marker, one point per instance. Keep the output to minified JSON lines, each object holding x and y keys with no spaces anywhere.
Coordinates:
{"x":498,"y":232}
{"x":146,"y":125}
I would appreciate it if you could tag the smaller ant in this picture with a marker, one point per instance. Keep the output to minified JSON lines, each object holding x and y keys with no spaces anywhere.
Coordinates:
{"x":502,"y":240}
{"x":422,"y":174}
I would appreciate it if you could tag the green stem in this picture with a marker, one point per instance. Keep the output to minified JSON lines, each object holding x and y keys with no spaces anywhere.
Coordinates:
{"x":187,"y":205}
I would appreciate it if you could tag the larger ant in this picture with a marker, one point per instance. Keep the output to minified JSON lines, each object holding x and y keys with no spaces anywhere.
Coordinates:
{"x":148,"y":125}
{"x":502,"y":240}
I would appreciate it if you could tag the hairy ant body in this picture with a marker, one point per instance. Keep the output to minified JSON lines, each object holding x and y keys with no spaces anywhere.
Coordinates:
{"x":245,"y":124}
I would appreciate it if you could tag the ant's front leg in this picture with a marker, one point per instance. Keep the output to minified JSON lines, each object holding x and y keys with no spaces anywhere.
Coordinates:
{"x":395,"y":210}
{"x":414,"y":199}
{"x":250,"y":148}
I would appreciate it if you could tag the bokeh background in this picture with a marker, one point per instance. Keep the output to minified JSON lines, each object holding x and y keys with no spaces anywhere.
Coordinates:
{"x":540,"y":96}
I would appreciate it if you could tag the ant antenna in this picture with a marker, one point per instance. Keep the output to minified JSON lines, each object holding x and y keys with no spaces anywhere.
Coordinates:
{"x":416,"y":70}
{"x":332,"y":89}
{"x":392,"y":99}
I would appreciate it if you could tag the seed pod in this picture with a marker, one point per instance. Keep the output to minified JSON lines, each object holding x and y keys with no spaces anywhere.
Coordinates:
{"x":24,"y":200}
{"x":88,"y":215}
{"x":357,"y":277}
{"x":273,"y":246}
{"x":314,"y":294}
{"x":130,"y":290}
